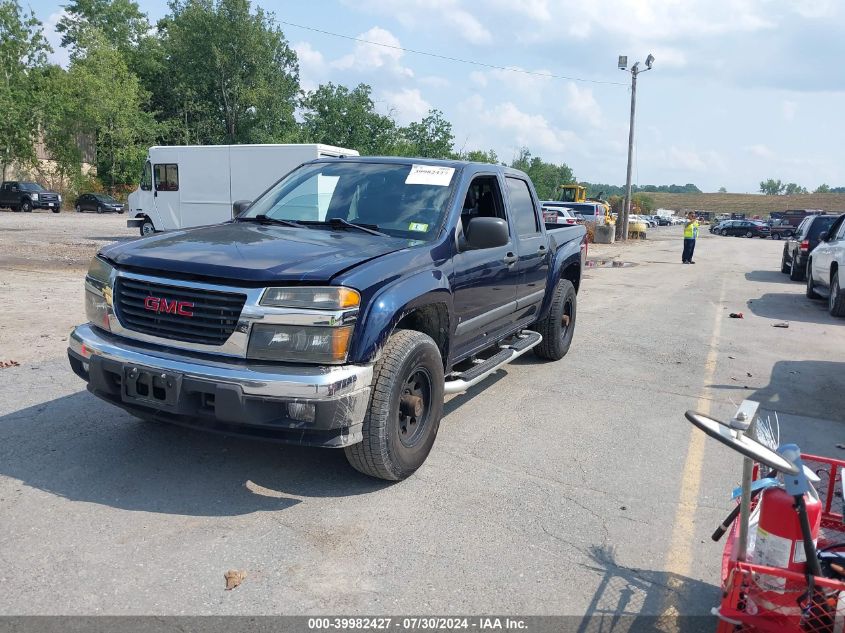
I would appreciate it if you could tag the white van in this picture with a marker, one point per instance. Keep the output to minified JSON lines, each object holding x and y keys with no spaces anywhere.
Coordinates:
{"x":194,"y":185}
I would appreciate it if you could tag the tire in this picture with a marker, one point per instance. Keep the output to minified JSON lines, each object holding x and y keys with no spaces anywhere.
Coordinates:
{"x":121,"y":212}
{"x":795,"y":272}
{"x":749,"y":234}
{"x":57,"y":210}
{"x":147,"y":227}
{"x":397,"y":442}
{"x":558,"y":327}
{"x":811,"y":291}
{"x":775,"y":236}
{"x":724,"y":232}
{"x":26,"y":206}
{"x":784,"y":267}
{"x":836,"y":299}
{"x":78,"y":209}
{"x":99,"y":210}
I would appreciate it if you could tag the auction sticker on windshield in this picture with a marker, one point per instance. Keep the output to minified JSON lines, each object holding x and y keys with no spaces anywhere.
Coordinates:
{"x":430,"y":175}
{"x":417,"y":226}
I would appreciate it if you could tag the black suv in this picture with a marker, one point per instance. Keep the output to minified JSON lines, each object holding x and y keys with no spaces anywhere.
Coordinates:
{"x":26,"y":196}
{"x":797,"y":249}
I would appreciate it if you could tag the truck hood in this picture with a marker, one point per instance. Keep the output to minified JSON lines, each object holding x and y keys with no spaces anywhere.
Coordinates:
{"x":253,"y":253}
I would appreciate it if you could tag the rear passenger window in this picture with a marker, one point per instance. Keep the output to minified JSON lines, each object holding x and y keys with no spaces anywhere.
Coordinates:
{"x":522,"y":207}
{"x":166,"y":177}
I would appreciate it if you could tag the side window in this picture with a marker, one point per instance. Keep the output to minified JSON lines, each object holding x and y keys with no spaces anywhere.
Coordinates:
{"x":483,"y":200}
{"x":801,"y":227}
{"x":522,"y":207}
{"x":166,"y":177}
{"x":147,"y":177}
{"x":840,"y":235}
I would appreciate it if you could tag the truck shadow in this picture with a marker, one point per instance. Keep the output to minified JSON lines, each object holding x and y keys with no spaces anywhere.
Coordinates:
{"x":628,"y":599}
{"x":790,"y":306}
{"x":772,"y":276}
{"x":84,"y":450}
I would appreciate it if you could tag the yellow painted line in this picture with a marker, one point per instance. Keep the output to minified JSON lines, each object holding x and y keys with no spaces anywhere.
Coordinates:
{"x":679,"y":554}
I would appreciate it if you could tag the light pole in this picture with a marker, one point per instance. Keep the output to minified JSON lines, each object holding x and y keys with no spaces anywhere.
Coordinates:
{"x":622,"y":220}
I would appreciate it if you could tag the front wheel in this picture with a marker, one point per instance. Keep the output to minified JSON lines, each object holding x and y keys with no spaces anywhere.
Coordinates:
{"x":776,"y":236}
{"x":147,"y":227}
{"x":749,"y":234}
{"x":724,"y":233}
{"x":784,"y":267}
{"x":405,"y":408}
{"x":795,"y":272}
{"x":78,"y":209}
{"x":559,"y":325}
{"x":836,"y":299}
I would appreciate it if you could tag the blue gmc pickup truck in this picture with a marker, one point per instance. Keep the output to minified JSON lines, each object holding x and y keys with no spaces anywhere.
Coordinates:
{"x":338,"y":309}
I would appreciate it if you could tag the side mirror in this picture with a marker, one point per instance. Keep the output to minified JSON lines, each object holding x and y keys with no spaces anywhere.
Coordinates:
{"x":487,"y":233}
{"x":239,"y":206}
{"x":823,"y":236}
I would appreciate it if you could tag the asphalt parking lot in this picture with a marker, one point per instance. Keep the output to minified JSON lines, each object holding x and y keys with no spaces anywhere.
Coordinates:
{"x":574,"y":487}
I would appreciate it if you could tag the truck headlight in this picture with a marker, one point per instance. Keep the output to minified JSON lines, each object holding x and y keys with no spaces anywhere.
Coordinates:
{"x":34,"y":197}
{"x":98,"y":293}
{"x":299,"y":343}
{"x":328,"y":298}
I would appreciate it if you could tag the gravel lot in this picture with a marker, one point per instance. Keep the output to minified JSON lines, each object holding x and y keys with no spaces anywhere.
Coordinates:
{"x":551,"y":489}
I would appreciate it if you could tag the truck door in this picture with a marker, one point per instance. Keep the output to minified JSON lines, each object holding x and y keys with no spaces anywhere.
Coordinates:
{"x":533,"y":265}
{"x":483,"y":281}
{"x":166,"y":194}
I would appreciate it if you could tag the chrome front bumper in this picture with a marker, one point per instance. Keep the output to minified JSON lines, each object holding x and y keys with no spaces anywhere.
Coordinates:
{"x":253,"y":393}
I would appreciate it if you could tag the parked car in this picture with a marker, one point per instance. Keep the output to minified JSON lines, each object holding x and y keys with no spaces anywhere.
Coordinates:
{"x":25,"y":196}
{"x":744,"y":228}
{"x":780,"y":229}
{"x":587,"y":211}
{"x":797,"y":249}
{"x":195,"y":185}
{"x":824,"y":266}
{"x":558,"y":215}
{"x":663,"y":221}
{"x":337,"y":309}
{"x":98,"y":203}
{"x":717,"y":226}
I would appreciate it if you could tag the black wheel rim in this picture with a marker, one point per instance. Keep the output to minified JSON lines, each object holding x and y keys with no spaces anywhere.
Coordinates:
{"x":414,"y":407}
{"x":566,"y":318}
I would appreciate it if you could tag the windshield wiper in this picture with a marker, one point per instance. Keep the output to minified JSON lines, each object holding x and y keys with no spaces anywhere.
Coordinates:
{"x":261,"y":218}
{"x":372,"y":229}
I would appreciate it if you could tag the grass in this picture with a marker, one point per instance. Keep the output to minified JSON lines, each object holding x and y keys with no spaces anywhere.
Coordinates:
{"x":747,"y":203}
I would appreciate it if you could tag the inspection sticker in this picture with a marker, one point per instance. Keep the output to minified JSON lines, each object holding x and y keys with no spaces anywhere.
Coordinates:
{"x":430,"y":175}
{"x":417,"y":226}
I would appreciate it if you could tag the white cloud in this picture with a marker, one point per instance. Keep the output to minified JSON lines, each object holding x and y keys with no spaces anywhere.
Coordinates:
{"x":788,"y":109}
{"x":582,"y":104}
{"x":430,"y":15}
{"x":760,"y":151}
{"x":531,"y":130}
{"x":312,"y":66}
{"x":371,"y":56}
{"x":433,"y":81}
{"x":59,"y":55}
{"x":407,"y":104}
{"x":537,"y":10}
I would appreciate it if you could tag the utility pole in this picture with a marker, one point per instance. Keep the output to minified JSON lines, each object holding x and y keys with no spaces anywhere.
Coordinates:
{"x":622,"y":220}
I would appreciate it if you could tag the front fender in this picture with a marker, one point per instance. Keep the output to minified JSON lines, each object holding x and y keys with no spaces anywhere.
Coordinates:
{"x":570,"y":254}
{"x":386,"y":308}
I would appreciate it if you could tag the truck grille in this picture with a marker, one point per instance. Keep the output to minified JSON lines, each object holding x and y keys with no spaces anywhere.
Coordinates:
{"x":51,"y":197}
{"x":184,"y":314}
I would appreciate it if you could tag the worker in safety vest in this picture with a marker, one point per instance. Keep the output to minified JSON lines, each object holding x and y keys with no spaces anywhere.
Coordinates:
{"x":690,"y":235}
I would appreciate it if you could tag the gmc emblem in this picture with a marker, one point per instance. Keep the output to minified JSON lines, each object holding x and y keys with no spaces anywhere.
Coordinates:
{"x":160,"y":305}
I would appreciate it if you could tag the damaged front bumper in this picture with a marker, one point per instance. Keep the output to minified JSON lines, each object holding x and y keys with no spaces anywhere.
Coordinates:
{"x":301,"y":404}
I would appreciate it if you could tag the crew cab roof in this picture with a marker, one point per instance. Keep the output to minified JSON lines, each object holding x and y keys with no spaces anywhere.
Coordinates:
{"x":437,"y":162}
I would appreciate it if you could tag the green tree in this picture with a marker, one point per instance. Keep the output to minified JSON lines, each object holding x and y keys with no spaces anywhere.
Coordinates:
{"x":339,"y":116}
{"x":234,"y":77}
{"x":771,"y":187}
{"x":643,"y":202}
{"x":722,"y":190}
{"x":822,"y":189}
{"x":23,"y":57}
{"x":99,"y":96}
{"x":121,"y":22}
{"x":479,"y":156}
{"x":791,"y":189}
{"x":429,"y":138}
{"x":545,"y":176}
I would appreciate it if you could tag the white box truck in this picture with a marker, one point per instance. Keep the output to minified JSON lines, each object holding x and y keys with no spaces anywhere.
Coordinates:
{"x":194,"y":185}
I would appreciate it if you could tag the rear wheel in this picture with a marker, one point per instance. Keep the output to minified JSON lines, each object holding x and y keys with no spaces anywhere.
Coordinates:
{"x":811,"y":290}
{"x":784,"y":267}
{"x":836,"y":300}
{"x":405,"y":408}
{"x":26,"y":206}
{"x":559,"y":325}
{"x":795,"y":271}
{"x":775,"y":236}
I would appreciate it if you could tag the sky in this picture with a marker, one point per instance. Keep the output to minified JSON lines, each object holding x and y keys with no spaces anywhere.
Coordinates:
{"x":740,"y":91}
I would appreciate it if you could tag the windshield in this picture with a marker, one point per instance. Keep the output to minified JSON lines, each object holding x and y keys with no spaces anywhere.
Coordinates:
{"x":31,"y":186}
{"x":405,"y":201}
{"x":102,"y":197}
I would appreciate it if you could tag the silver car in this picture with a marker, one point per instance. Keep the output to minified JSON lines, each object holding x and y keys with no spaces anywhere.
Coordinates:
{"x":826,"y":268}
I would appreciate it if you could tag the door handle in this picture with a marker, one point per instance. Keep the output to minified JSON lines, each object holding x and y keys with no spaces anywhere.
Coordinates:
{"x":510,"y":259}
